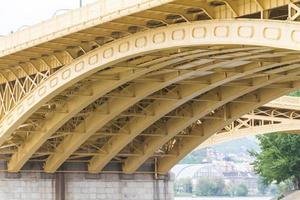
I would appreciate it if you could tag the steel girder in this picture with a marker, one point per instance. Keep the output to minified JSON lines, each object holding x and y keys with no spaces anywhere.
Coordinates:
{"x":280,"y":118}
{"x":109,"y":56}
{"x":99,"y":88}
{"x":199,"y":110}
{"x":210,"y":126}
{"x":115,"y":107}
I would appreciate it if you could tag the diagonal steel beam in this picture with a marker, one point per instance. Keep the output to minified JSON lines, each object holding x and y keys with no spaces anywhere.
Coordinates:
{"x":99,"y":88}
{"x":116,"y":107}
{"x":161,"y":107}
{"x":75,"y":104}
{"x":209,"y":127}
{"x":199,"y":110}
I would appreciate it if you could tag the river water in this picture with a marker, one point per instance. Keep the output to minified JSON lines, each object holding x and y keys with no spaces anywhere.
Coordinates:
{"x":223,"y":198}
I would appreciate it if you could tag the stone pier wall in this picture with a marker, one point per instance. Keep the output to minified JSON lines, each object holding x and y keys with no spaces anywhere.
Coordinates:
{"x":40,"y":186}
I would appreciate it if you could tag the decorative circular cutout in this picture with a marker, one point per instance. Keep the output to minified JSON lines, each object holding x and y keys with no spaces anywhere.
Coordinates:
{"x":199,"y":32}
{"x":246,"y":31}
{"x":178,"y":34}
{"x":92,"y":60}
{"x":66,"y":74}
{"x":141,"y":42}
{"x":159,"y":38}
{"x":272,"y":33}
{"x":79,"y":66}
{"x":108,"y":53}
{"x":221,"y":31}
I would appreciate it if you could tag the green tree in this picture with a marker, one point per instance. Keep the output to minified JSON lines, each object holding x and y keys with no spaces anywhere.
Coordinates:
{"x":295,"y":93}
{"x":241,"y":190}
{"x":211,"y":187}
{"x":279,"y":159}
{"x":274,"y":190}
{"x":183,"y":185}
{"x":262,"y":187}
{"x":285,"y":186}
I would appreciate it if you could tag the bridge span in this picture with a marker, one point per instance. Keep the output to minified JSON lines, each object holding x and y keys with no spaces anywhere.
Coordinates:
{"x":133,"y":83}
{"x":280,"y":115}
{"x":133,"y":86}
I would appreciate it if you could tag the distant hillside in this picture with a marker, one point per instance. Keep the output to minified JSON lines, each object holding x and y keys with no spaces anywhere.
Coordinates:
{"x":237,"y":147}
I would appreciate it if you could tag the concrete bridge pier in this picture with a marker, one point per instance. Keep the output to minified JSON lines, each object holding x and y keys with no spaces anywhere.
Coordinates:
{"x":82,"y":186}
{"x":60,"y":189}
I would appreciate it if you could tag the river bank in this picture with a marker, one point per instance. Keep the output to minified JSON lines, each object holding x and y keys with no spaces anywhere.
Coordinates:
{"x":223,"y":198}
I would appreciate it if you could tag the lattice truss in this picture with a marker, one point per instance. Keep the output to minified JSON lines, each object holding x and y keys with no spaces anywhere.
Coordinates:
{"x":11,"y":92}
{"x":264,"y":116}
{"x":95,"y":145}
{"x":152,"y":107}
{"x":20,"y":80}
{"x":266,"y":119}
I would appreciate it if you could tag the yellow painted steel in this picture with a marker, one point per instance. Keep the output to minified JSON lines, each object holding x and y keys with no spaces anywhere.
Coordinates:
{"x":199,"y":110}
{"x":131,"y":77}
{"x":209,"y":127}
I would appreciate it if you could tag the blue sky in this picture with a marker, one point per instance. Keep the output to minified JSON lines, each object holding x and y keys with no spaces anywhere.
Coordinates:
{"x":17,"y":13}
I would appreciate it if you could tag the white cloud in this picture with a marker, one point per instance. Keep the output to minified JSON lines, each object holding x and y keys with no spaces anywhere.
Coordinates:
{"x":16,"y":13}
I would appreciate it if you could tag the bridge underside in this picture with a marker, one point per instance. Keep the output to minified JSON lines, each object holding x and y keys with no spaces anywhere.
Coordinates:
{"x":281,"y":115}
{"x":144,"y":88}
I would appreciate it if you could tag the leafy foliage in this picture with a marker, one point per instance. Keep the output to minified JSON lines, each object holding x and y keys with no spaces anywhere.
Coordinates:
{"x":183,"y":185}
{"x":241,"y":190}
{"x":279,"y":159}
{"x":211,"y":187}
{"x":285,"y":186}
{"x":262,"y":187}
{"x":295,"y":93}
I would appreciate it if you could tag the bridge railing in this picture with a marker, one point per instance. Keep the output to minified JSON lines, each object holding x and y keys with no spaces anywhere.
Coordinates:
{"x":72,"y":21}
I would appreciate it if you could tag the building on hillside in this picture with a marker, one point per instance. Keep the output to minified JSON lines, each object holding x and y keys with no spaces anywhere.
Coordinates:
{"x":249,"y":179}
{"x":232,"y":173}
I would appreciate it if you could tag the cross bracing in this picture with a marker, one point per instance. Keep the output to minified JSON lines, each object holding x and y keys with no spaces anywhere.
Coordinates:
{"x":147,"y":82}
{"x":281,"y":115}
